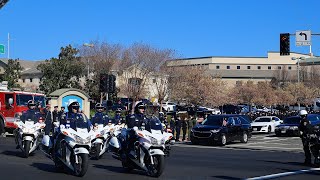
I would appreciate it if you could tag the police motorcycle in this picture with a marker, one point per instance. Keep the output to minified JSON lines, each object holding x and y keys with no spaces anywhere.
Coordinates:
{"x":99,"y":142}
{"x":168,"y":140}
{"x":149,"y":148}
{"x":314,"y":139}
{"x":72,"y":150}
{"x":29,"y":134}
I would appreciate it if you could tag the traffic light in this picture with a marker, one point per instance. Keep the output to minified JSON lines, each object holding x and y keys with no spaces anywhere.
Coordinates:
{"x":284,"y":44}
{"x":103,"y":83}
{"x":112,"y":84}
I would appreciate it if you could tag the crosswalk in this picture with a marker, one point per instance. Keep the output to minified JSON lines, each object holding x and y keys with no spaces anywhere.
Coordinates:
{"x":259,"y":142}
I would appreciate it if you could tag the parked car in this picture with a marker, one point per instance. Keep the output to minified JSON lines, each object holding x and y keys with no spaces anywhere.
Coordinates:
{"x":213,"y":131}
{"x":209,"y":110}
{"x":169,"y":106}
{"x":290,"y":125}
{"x":265,"y":124}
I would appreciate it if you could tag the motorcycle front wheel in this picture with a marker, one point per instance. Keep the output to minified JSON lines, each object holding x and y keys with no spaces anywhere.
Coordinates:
{"x":97,"y":151}
{"x":81,"y":167}
{"x":157,"y":168}
{"x":26,"y":148}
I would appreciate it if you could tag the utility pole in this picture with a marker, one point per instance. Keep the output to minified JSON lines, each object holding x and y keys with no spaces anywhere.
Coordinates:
{"x":8,"y":46}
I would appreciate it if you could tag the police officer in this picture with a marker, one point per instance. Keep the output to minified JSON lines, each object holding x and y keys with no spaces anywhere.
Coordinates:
{"x":305,"y":130}
{"x":100,"y":117}
{"x":178,"y":127}
{"x":48,"y":119}
{"x":71,"y":119}
{"x":117,"y":117}
{"x":30,"y":115}
{"x":61,"y":112}
{"x":184,"y":128}
{"x":55,"y":114}
{"x":173,"y":125}
{"x":138,"y":119}
{"x":191,"y":122}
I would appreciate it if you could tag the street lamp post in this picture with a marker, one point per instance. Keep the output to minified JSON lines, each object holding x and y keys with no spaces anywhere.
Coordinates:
{"x":298,"y":72}
{"x":88,"y":67}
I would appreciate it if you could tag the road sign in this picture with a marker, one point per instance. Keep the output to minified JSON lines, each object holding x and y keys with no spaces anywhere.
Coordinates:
{"x":303,"y":38}
{"x":1,"y":49}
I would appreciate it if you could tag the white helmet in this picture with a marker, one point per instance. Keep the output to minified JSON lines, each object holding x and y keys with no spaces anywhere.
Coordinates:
{"x":303,"y":113}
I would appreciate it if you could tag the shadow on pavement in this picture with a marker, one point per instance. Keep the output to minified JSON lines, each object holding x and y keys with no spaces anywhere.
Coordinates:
{"x":14,"y":153}
{"x":118,"y":169}
{"x":44,"y":167}
{"x":226,"y":177}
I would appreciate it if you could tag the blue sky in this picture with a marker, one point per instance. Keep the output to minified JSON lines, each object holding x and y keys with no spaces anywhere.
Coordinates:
{"x":194,"y":28}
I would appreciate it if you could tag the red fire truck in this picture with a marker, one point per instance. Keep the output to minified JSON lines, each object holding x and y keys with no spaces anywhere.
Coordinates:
{"x":13,"y":103}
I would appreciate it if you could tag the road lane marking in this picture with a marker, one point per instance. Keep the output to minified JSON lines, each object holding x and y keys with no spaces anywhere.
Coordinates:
{"x":243,"y":148}
{"x":279,"y":175}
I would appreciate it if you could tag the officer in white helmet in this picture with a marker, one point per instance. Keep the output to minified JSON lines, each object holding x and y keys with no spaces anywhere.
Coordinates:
{"x":305,"y":130}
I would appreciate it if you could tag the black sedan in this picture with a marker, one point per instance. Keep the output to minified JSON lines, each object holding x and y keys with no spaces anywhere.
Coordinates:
{"x":221,"y":129}
{"x":290,"y":125}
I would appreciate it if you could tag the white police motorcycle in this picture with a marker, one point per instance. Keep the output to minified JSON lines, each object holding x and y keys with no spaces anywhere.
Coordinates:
{"x":72,"y":150}
{"x":28,"y":135}
{"x":100,"y":136}
{"x":149,"y":149}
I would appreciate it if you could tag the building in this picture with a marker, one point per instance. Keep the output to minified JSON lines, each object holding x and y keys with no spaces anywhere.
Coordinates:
{"x":30,"y":76}
{"x":236,"y":69}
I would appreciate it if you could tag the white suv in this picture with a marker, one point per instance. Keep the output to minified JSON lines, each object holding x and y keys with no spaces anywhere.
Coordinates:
{"x":169,"y":106}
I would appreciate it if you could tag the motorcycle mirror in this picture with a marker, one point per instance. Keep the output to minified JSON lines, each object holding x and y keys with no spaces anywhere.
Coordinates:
{"x":172,"y":142}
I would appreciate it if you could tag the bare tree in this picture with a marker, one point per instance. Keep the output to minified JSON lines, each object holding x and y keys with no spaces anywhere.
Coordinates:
{"x":194,"y":85}
{"x":139,"y":63}
{"x":100,"y":58}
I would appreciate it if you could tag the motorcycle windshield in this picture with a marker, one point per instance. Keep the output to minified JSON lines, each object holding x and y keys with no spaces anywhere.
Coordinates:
{"x":154,"y":124}
{"x":82,"y":122}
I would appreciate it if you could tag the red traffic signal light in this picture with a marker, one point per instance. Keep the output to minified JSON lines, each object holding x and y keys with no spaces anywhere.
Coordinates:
{"x":284,"y":44}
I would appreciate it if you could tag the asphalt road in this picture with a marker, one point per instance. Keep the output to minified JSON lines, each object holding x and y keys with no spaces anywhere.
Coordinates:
{"x":186,"y":162}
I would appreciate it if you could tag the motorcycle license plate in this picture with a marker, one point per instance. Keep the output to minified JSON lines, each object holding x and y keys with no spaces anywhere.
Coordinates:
{"x":283,"y":131}
{"x":29,"y":123}
{"x":255,"y":129}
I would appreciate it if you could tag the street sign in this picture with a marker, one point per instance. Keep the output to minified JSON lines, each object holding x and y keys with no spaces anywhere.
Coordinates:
{"x":303,"y":38}
{"x":1,"y":49}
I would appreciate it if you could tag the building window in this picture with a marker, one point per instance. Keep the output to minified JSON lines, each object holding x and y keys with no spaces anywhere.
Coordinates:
{"x":279,"y":67}
{"x":217,"y":67}
{"x":259,"y":67}
{"x":289,"y":68}
{"x":269,"y":67}
{"x":154,"y":80}
{"x":248,"y":67}
{"x":238,"y":67}
{"x":228,"y":67}
{"x":30,"y":79}
{"x":23,"y":80}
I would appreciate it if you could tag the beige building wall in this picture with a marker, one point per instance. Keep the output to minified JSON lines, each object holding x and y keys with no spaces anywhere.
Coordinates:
{"x":234,"y":69}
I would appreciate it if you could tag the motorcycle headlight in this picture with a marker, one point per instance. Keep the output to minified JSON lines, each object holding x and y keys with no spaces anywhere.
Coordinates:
{"x":215,"y":130}
{"x":154,"y":141}
{"x":80,"y":140}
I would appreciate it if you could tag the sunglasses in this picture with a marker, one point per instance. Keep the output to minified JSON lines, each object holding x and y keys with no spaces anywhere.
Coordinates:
{"x":75,"y":107}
